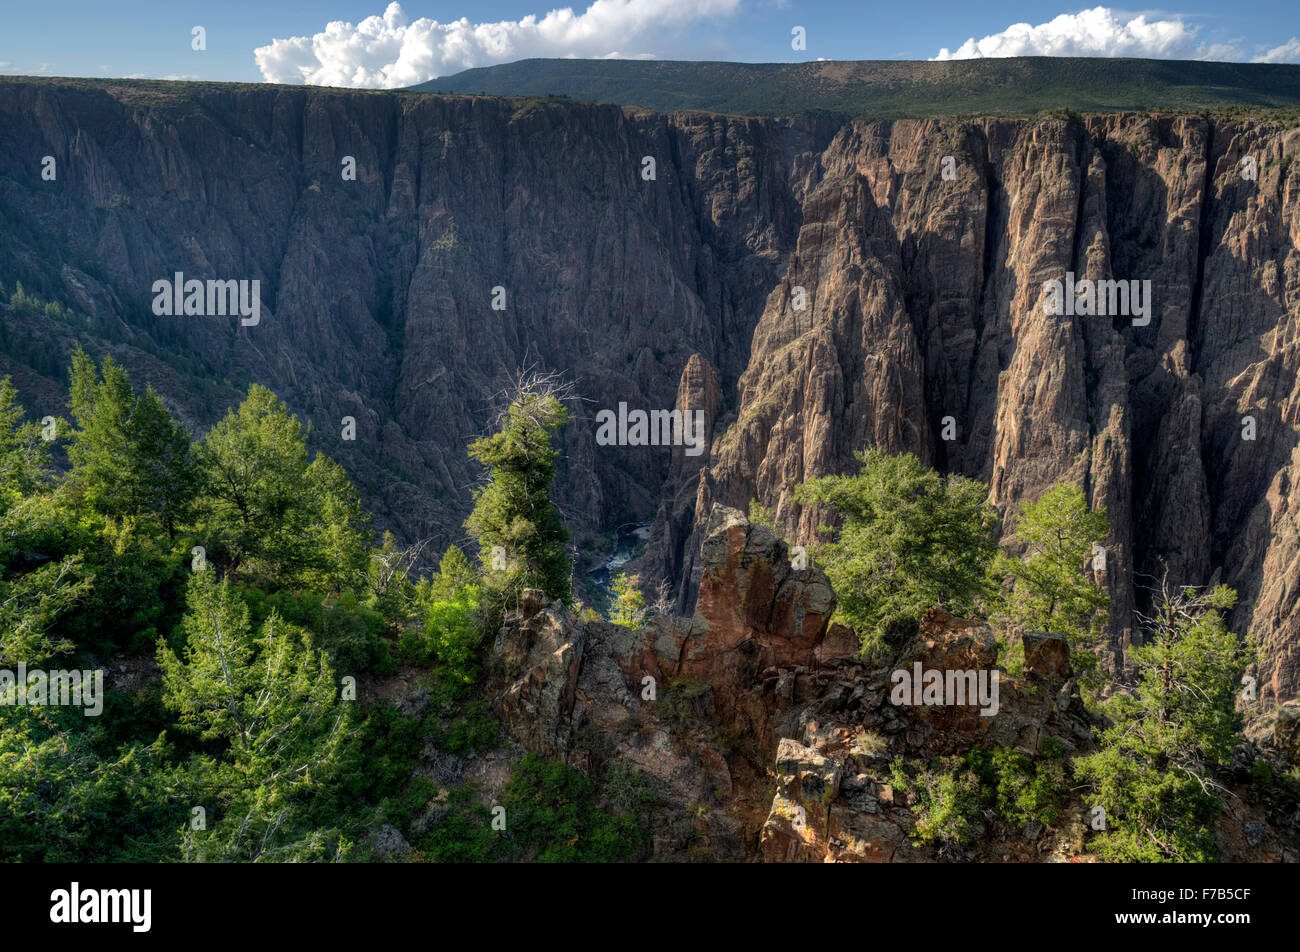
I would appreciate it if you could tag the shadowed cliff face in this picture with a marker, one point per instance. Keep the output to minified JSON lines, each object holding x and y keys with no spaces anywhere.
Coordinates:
{"x":924,"y":328}
{"x":378,"y":293}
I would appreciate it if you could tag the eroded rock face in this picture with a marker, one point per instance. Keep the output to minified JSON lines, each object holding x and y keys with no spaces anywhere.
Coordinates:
{"x":835,"y":800}
{"x":944,"y":641}
{"x":1286,"y":732}
{"x":755,"y":615}
{"x":673,"y":553}
{"x":696,"y":705}
{"x":1047,"y":656}
{"x":538,"y":652}
{"x":752,"y":595}
{"x":925,"y":331}
{"x":377,"y":292}
{"x":758,"y":687}
{"x":797,"y":828}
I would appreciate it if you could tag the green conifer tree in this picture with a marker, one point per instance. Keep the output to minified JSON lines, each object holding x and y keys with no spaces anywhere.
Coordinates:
{"x":1050,"y":587}
{"x":1155,"y":773}
{"x":910,"y":539}
{"x":274,"y":702}
{"x":514,"y":509}
{"x":129,"y":456}
{"x":629,"y":603}
{"x":277,"y":517}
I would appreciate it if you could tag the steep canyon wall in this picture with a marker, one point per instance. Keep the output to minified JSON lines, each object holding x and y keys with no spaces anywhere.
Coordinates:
{"x":923,"y":327}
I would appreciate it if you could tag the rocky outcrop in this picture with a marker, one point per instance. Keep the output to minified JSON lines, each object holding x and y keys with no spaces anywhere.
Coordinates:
{"x":537,"y":655}
{"x":759,"y":688}
{"x":694,"y":704}
{"x":799,"y":826}
{"x":836,"y":801}
{"x":1286,"y":732}
{"x":1278,"y":732}
{"x":388,"y":843}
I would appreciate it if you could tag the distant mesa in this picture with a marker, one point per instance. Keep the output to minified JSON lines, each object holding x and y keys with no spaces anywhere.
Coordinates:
{"x":893,"y":89}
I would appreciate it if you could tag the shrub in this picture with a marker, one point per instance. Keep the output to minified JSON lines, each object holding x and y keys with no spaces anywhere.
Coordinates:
{"x":552,"y":816}
{"x":450,"y":638}
{"x":629,"y":603}
{"x":351,"y":633}
{"x":463,"y":834}
{"x":473,"y":728}
{"x":948,"y":801}
{"x":1021,"y":788}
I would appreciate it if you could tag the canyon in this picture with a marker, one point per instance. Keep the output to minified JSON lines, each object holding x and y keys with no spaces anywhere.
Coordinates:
{"x":920,"y":308}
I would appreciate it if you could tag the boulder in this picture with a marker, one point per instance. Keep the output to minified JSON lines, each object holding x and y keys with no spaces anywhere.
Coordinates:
{"x":1047,"y":656}
{"x":949,"y":643}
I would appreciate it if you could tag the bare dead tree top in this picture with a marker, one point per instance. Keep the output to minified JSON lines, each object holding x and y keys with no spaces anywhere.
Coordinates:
{"x":527,"y":384}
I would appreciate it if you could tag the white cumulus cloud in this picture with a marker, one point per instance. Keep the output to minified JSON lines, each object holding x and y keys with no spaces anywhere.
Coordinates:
{"x":385,"y":52}
{"x":1097,"y":32}
{"x":1288,"y":52}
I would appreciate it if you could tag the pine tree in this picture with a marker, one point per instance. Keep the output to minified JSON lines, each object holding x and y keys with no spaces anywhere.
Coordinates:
{"x":102,"y":409}
{"x":514,"y":509}
{"x":274,"y":702}
{"x":24,"y":455}
{"x":31,"y":598}
{"x":338,"y":528}
{"x":629,"y":602}
{"x":253,"y":462}
{"x":911,"y":539}
{"x":1048,"y":587}
{"x":1154,"y":774}
{"x":389,"y":583}
{"x":129,"y":456}
{"x":166,"y":477}
{"x":276,"y":516}
{"x":454,"y":573}
{"x":31,"y":603}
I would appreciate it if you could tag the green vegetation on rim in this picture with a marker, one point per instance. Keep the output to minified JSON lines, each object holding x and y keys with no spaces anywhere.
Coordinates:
{"x":875,"y":89}
{"x":889,"y":89}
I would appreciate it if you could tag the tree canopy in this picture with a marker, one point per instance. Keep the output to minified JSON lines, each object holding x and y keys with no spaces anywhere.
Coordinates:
{"x":515,"y":520}
{"x":908,"y":539}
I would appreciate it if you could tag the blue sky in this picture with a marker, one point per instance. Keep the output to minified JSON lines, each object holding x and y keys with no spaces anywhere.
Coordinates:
{"x":417,"y":40}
